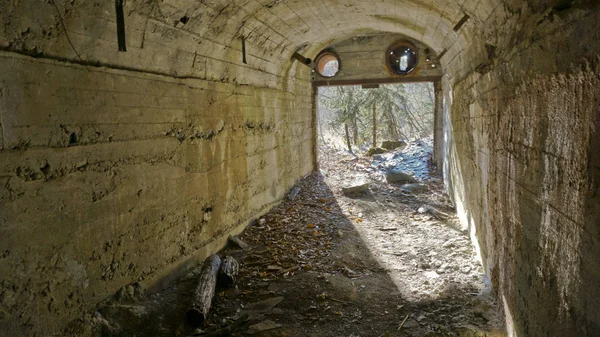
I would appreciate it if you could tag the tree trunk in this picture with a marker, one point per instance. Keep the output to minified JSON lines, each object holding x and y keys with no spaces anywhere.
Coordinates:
{"x":374,"y":126}
{"x":205,"y":291}
{"x":355,"y":129}
{"x":393,"y":124}
{"x":348,"y":137}
{"x":320,"y":126}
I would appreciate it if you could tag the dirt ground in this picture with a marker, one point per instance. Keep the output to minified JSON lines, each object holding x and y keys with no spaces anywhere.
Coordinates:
{"x":392,"y":261}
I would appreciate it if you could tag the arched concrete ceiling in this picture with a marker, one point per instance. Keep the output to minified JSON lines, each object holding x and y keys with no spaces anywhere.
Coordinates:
{"x":167,"y":36}
{"x":287,"y":24}
{"x":274,"y":29}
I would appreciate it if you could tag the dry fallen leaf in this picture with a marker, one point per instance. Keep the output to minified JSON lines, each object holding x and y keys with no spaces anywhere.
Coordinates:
{"x":311,"y":225}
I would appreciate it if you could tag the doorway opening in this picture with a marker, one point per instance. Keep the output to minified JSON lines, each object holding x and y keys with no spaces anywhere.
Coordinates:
{"x":376,"y":153}
{"x":392,"y":123}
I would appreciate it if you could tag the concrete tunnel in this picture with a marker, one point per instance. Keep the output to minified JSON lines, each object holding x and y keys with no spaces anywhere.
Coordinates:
{"x":137,"y":135}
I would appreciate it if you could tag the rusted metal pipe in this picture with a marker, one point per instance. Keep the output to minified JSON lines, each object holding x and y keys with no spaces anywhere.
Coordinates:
{"x":304,"y":60}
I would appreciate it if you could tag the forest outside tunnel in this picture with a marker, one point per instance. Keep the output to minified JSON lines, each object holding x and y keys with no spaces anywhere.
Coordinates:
{"x":148,"y":111}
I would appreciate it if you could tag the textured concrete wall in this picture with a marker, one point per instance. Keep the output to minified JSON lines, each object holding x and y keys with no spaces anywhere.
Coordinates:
{"x":523,"y":165}
{"x":110,"y":177}
{"x":131,"y":167}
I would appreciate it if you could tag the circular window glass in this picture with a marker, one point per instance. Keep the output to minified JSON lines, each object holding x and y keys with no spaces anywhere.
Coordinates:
{"x":327,"y":64}
{"x":402,"y":59}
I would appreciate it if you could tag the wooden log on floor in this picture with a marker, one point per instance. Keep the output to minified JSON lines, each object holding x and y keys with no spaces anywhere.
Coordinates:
{"x":204,"y":291}
{"x":229,"y":271}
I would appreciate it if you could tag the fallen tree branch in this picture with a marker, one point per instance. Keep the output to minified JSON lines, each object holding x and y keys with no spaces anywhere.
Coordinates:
{"x":205,"y":291}
{"x":402,"y":324}
{"x":239,"y":242}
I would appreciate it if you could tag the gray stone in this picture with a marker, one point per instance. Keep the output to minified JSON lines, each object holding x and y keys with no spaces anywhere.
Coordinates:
{"x":357,"y":188}
{"x":263,"y":326}
{"x":258,"y":309}
{"x":415,"y":188}
{"x":376,"y":150}
{"x":397,"y":176}
{"x":392,"y":145}
{"x":264,"y":305}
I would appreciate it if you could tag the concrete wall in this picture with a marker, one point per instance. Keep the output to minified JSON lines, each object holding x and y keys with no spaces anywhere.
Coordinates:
{"x":110,"y":177}
{"x":130,"y":167}
{"x":523,"y":166}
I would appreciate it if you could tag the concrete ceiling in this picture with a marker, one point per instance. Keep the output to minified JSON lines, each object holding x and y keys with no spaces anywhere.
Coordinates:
{"x":288,"y":24}
{"x":167,"y":36}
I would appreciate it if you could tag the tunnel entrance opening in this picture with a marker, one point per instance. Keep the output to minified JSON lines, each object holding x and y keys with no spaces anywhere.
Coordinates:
{"x":377,"y":120}
{"x":376,"y":153}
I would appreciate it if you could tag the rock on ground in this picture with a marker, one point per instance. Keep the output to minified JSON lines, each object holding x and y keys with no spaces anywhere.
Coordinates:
{"x":415,"y":188}
{"x":396,"y":176}
{"x":355,"y":188}
{"x":376,"y":150}
{"x":392,"y":145}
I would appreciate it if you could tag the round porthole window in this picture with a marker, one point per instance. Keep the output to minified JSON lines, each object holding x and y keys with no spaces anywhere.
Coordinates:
{"x":327,"y":64}
{"x":402,"y":58}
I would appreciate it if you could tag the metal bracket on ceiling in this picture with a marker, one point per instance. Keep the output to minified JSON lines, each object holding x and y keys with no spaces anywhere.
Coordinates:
{"x":120,"y":25}
{"x":461,"y":22}
{"x":304,"y":60}
{"x":244,"y":50}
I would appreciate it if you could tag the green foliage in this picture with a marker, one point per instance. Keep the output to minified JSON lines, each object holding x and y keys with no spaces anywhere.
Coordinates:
{"x":403,"y":111}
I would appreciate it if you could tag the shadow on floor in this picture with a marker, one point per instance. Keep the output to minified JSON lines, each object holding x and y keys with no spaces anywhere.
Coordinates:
{"x":309,"y":252}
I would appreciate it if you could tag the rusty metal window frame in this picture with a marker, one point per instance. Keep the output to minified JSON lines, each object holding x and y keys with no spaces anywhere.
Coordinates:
{"x":323,"y":59}
{"x":396,"y":45}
